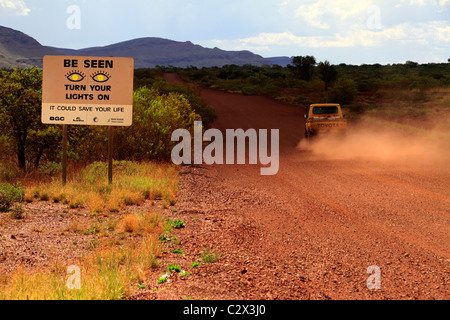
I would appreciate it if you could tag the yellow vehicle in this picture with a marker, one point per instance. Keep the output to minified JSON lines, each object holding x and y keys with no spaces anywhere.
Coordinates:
{"x":325,"y":118}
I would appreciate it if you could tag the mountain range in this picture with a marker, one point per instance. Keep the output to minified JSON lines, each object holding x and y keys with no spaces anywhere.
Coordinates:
{"x":19,"y":49}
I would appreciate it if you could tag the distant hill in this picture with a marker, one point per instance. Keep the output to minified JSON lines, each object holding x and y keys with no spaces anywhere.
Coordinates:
{"x":19,"y":49}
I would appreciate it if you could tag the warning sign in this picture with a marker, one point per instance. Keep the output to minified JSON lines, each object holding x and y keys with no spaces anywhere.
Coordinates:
{"x":87,"y":91}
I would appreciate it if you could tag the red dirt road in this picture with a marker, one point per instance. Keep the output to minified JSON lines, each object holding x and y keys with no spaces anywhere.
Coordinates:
{"x":312,"y":230}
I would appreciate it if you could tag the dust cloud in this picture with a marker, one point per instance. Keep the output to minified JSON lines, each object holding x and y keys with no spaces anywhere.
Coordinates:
{"x":381,"y":144}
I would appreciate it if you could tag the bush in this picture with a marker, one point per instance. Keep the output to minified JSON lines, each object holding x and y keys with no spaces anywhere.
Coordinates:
{"x":8,"y":172}
{"x":343,"y":92}
{"x":192,"y":94}
{"x":9,"y":194}
{"x":50,"y":168}
{"x":156,"y":116}
{"x":209,"y":256}
{"x":249,"y":90}
{"x":177,"y":224}
{"x":17,"y":211}
{"x":368,"y":85}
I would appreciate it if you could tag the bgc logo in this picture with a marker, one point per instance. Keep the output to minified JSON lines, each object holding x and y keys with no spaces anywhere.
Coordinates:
{"x":56,"y":118}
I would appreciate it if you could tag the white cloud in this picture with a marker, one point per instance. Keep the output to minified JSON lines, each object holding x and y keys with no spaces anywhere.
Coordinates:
{"x":350,"y":25}
{"x":434,"y":33}
{"x":419,"y":3}
{"x":437,"y":4}
{"x":442,"y":33}
{"x":325,"y":14}
{"x":13,"y":8}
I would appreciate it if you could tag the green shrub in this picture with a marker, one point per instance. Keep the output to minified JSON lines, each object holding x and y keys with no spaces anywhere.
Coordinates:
{"x":178,"y":250}
{"x":8,"y":173}
{"x":249,"y":90}
{"x":368,"y":85}
{"x":192,"y":94}
{"x":50,"y":168}
{"x":17,"y":211}
{"x":162,"y":280}
{"x":171,"y":267}
{"x":177,"y":224}
{"x":155,"y":118}
{"x":343,"y":92}
{"x":209,"y":256}
{"x":9,"y":194}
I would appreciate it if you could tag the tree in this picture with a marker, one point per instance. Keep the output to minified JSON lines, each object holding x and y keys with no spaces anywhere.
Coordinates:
{"x":343,"y":92}
{"x":411,"y":64}
{"x":20,"y":107}
{"x":303,"y":67}
{"x":156,"y":116}
{"x":328,"y":73}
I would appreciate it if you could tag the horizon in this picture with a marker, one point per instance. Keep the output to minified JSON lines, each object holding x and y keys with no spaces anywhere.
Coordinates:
{"x":342,"y":32}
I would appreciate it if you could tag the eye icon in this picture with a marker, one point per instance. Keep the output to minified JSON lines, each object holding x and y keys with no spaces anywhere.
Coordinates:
{"x":75,"y":76}
{"x":100,"y":76}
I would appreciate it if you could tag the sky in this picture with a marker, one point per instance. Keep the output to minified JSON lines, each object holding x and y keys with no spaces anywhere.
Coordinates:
{"x":340,"y":31}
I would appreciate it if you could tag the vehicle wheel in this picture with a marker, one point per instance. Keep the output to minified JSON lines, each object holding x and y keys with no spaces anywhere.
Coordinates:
{"x":308,"y":136}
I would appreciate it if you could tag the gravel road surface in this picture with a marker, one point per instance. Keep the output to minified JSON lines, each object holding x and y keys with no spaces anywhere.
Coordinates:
{"x":336,"y":213}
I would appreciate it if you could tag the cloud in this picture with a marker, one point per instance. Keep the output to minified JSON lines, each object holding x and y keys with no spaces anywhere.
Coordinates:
{"x":418,"y":41}
{"x":434,"y":32}
{"x":365,"y":24}
{"x":438,"y":5}
{"x":13,"y":8}
{"x":422,"y":3}
{"x":325,"y":14}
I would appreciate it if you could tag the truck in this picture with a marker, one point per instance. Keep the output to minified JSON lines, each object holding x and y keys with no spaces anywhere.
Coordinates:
{"x":325,"y":118}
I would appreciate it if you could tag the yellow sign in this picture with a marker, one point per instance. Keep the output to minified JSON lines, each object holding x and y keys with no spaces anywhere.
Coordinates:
{"x":87,"y":91}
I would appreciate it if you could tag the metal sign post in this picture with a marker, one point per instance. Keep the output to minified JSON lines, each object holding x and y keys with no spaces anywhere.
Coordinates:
{"x":64,"y":157}
{"x":110,"y":153}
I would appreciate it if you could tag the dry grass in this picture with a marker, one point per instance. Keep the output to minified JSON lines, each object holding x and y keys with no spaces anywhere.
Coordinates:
{"x":126,"y":249}
{"x":133,"y":183}
{"x":110,"y":273}
{"x":139,"y":223}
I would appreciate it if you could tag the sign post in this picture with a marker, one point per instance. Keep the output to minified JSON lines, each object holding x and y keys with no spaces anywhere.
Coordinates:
{"x":87,"y":91}
{"x":64,"y":158}
{"x":110,"y":153}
